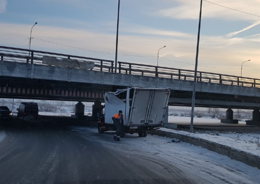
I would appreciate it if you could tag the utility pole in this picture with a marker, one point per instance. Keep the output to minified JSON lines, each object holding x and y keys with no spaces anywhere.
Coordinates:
{"x":158,"y":53}
{"x":242,"y":66}
{"x":195,"y":73}
{"x":30,"y":39}
{"x":118,"y":12}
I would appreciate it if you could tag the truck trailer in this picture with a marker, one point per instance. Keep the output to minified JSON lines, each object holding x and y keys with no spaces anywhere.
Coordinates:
{"x":143,"y":109}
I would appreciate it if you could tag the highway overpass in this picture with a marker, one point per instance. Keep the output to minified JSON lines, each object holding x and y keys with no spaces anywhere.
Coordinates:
{"x":23,"y":75}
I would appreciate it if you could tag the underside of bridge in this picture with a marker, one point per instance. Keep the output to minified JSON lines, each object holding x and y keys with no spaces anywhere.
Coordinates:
{"x":25,"y":83}
{"x":178,"y":98}
{"x":183,"y":98}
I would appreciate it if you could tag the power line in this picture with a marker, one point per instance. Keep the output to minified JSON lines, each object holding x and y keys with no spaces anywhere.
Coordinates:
{"x":232,"y":9}
{"x":64,"y":45}
{"x":176,"y":61}
{"x":70,"y":46}
{"x":192,"y":64}
{"x":181,"y":62}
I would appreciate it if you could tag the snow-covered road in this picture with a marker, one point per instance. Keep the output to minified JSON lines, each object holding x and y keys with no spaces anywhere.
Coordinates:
{"x":199,"y":163}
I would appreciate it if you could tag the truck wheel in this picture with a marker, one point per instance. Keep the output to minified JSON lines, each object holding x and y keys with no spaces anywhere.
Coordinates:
{"x":142,"y":133}
{"x":99,"y":130}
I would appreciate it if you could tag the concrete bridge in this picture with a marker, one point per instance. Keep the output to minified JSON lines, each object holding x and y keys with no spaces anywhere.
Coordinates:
{"x":23,"y":75}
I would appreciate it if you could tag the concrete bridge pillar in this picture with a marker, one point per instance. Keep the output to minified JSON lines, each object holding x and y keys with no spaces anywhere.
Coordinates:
{"x":79,"y":110}
{"x":256,"y":115}
{"x":229,"y":113}
{"x":96,"y":109}
{"x":165,"y":119}
{"x":229,"y":117}
{"x":255,"y":118}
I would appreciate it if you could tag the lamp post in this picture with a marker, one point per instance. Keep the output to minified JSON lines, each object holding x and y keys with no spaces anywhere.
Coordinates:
{"x":158,"y":53}
{"x":242,"y":66}
{"x":195,"y":73}
{"x":30,"y":39}
{"x":117,"y":29}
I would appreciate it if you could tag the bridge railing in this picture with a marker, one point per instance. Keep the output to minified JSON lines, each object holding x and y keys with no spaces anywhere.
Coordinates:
{"x":188,"y":75}
{"x":35,"y":57}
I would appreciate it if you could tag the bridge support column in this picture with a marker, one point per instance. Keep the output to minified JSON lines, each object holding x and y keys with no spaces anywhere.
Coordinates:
{"x":96,"y":109}
{"x":79,"y":110}
{"x":165,"y":119}
{"x":255,"y":118}
{"x":229,"y":117}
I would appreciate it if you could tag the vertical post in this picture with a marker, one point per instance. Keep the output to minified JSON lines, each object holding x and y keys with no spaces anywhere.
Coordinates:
{"x":2,"y":58}
{"x":158,"y":53}
{"x":101,"y":65}
{"x":112,"y":66}
{"x":242,"y":66}
{"x":118,"y":11}
{"x":30,"y":42}
{"x":13,"y":105}
{"x":179,"y":74}
{"x":119,"y":67}
{"x":30,"y":39}
{"x":130,"y":67}
{"x":31,"y":57}
{"x":156,"y":71}
{"x":195,"y":74}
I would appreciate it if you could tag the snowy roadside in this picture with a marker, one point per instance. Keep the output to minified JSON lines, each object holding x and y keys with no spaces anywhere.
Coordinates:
{"x":247,"y":142}
{"x":233,"y":148}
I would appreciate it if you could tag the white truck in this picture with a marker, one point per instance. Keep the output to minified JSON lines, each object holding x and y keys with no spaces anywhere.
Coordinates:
{"x":143,"y":109}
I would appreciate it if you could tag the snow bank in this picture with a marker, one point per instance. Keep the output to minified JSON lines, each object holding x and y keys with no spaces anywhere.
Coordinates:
{"x":198,"y":121}
{"x":240,"y":141}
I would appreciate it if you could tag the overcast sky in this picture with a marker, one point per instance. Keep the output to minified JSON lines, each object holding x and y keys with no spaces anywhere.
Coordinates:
{"x":88,"y":28}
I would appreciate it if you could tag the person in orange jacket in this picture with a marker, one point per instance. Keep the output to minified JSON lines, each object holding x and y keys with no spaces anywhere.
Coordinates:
{"x":118,"y":122}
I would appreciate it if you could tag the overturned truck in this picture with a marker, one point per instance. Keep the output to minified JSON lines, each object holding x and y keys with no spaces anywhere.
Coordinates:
{"x":143,"y":109}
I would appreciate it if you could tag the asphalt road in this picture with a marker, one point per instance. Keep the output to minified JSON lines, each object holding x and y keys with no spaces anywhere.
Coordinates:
{"x":55,"y":154}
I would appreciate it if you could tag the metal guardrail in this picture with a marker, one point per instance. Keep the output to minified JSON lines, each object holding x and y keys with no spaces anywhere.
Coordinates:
{"x":181,"y":74}
{"x":35,"y":57}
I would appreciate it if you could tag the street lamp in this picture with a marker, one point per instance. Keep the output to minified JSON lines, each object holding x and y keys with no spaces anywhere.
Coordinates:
{"x":195,"y":72}
{"x":158,"y":53}
{"x":242,"y":66}
{"x":117,"y":29}
{"x":30,"y":39}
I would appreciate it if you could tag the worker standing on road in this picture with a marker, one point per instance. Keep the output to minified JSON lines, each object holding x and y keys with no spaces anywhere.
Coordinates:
{"x":118,"y":121}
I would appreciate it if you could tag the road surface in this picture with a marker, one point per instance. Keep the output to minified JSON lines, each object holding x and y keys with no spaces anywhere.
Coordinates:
{"x":54,"y":154}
